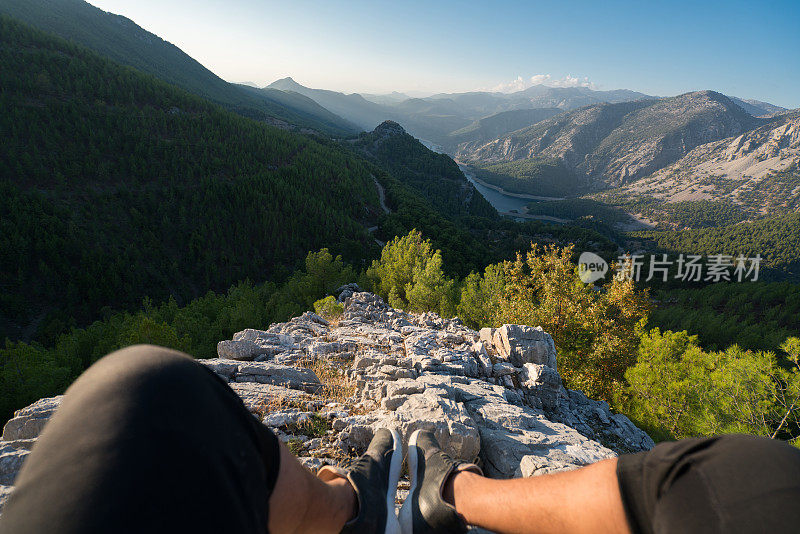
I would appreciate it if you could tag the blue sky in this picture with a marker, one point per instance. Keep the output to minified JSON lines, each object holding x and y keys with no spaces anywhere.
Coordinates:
{"x":745,"y":49}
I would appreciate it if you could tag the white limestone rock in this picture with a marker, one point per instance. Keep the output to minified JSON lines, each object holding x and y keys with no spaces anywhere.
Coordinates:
{"x":522,"y":344}
{"x":239,"y":350}
{"x":11,"y":460}
{"x":286,"y":418}
{"x":28,"y":422}
{"x":259,"y":398}
{"x":494,"y":395}
{"x":541,"y":382}
{"x":5,"y":493}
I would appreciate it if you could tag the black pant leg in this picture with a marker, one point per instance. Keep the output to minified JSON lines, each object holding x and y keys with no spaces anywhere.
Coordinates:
{"x":726,"y":484}
{"x":147,"y":440}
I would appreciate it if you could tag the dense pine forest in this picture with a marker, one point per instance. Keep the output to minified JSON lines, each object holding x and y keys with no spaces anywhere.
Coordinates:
{"x":436,"y":177}
{"x":776,"y":239}
{"x":755,"y":316}
{"x":115,"y":185}
{"x":121,"y":40}
{"x":533,"y":176}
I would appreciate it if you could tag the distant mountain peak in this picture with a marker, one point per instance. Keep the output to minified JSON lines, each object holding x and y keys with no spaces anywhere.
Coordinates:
{"x":710,"y":94}
{"x":388,"y":128}
{"x":286,"y":84}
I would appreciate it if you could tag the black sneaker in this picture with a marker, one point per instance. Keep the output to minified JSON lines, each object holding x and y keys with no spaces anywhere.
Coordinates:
{"x":425,"y":511}
{"x":374,"y":478}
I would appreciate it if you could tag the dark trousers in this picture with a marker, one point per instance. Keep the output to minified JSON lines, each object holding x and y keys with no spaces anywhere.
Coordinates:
{"x":727,"y":484}
{"x":149,"y":441}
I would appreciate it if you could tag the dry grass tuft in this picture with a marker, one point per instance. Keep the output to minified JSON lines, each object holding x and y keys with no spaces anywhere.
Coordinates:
{"x":336,"y":386}
{"x":282,"y":402}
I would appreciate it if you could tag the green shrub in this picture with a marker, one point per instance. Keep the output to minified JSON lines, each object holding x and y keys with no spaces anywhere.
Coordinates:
{"x":409,"y":276}
{"x":677,"y":390}
{"x":329,"y":308}
{"x":595,"y":332}
{"x":295,"y":446}
{"x":479,"y":305}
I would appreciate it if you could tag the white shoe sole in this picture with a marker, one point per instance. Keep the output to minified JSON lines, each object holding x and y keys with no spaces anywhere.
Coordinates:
{"x":406,"y":517}
{"x":392,"y":523}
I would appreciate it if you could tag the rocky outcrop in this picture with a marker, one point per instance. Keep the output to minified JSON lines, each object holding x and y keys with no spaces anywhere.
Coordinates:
{"x":28,"y":422}
{"x":493,"y":396}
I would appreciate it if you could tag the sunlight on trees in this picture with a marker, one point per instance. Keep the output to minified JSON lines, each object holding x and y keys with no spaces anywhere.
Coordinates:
{"x":677,"y":390}
{"x":596,"y":330}
{"x":409,"y":276}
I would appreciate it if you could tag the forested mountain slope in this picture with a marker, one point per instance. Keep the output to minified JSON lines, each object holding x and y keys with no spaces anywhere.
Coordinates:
{"x":434,"y":176}
{"x":121,"y":40}
{"x":612,"y":144}
{"x":776,"y":240}
{"x":114,"y":185}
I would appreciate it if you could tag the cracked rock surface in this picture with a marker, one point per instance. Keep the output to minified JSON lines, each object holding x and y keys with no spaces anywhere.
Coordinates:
{"x":492,"y":396}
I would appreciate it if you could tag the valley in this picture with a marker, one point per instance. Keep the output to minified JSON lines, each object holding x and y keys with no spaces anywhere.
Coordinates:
{"x":514,"y":205}
{"x":146,"y":199}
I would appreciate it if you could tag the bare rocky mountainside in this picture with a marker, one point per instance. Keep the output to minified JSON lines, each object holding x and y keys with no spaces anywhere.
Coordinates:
{"x":758,"y":170}
{"x":614,"y":144}
{"x":324,"y":387}
{"x":488,"y":128}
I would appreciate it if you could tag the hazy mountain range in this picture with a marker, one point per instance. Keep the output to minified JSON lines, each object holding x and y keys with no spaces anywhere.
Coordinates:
{"x":436,"y":118}
{"x":604,"y":138}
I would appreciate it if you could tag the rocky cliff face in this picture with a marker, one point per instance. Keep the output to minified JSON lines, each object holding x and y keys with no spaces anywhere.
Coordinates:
{"x":758,"y":170}
{"x":494,"y":396}
{"x":613,"y":144}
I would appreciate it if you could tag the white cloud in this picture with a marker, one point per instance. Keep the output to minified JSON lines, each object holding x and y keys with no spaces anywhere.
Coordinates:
{"x":542,"y":79}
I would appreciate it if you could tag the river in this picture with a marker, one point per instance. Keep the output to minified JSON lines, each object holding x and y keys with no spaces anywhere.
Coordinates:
{"x":513,"y":205}
{"x":501,"y":202}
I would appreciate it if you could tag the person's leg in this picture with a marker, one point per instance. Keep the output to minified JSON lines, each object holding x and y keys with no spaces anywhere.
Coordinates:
{"x":582,"y":501}
{"x":147,"y":440}
{"x":447,"y":495}
{"x":303,"y":503}
{"x":726,"y":484}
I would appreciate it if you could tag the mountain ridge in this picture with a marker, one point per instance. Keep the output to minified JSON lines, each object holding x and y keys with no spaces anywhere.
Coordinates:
{"x":355,"y":108}
{"x":758,"y":171}
{"x":434,"y":176}
{"x":611,"y":144}
{"x":123,"y":41}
